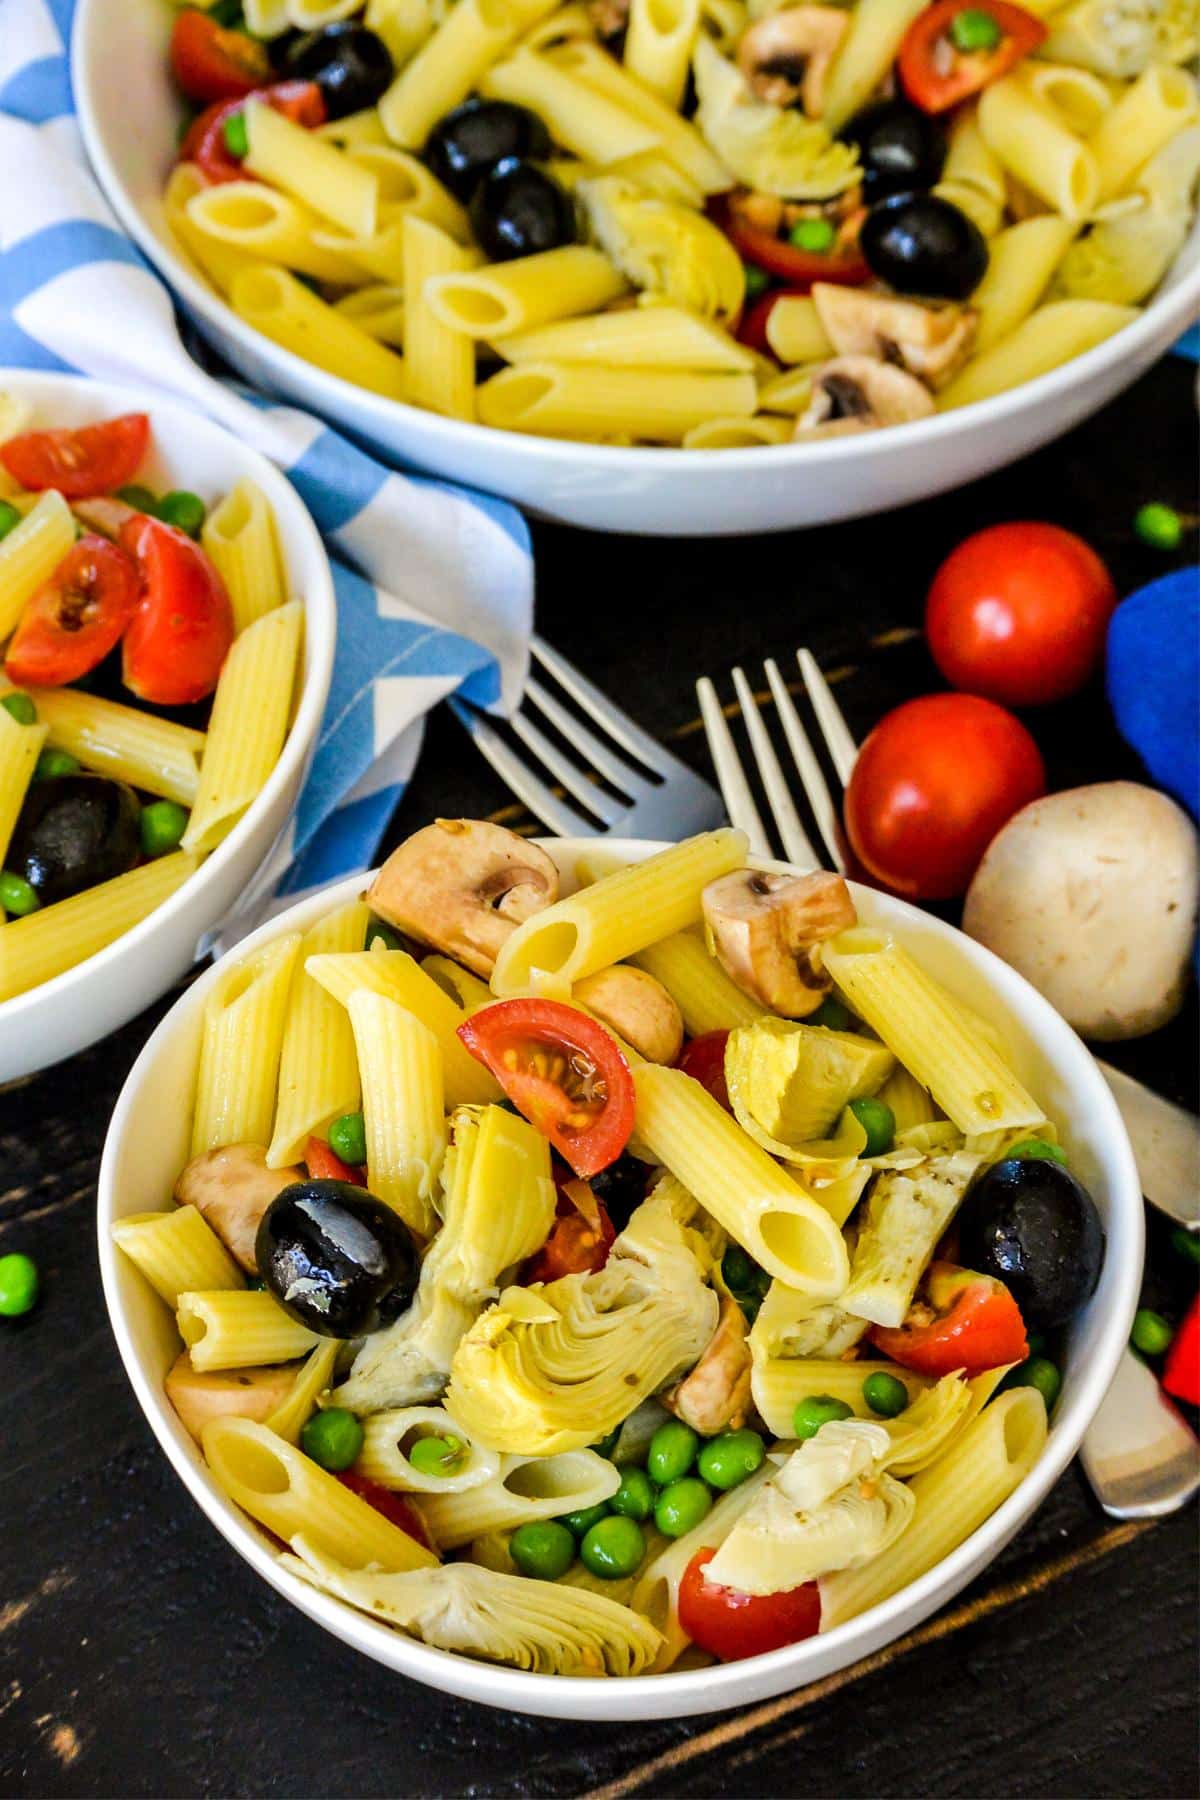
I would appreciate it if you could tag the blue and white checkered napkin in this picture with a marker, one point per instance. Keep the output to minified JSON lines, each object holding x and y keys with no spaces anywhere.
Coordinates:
{"x":434,"y":583}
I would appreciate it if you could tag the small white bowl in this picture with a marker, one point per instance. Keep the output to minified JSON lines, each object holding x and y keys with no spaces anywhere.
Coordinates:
{"x":93,"y":999}
{"x":148,"y":1144}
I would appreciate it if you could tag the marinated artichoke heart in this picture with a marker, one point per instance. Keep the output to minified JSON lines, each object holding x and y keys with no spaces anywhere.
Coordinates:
{"x":1123,"y":37}
{"x":923,"y":1430}
{"x":1123,"y":258}
{"x":789,"y":1082}
{"x":665,"y":248}
{"x":792,"y":1324}
{"x":907,"y":1213}
{"x":536,"y":1625}
{"x":772,"y":149}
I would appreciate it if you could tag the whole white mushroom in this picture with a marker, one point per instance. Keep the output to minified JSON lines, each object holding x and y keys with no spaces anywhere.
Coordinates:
{"x":1091,"y":894}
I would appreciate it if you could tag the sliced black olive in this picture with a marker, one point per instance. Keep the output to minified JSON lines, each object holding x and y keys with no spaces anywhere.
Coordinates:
{"x":335,"y":1258}
{"x":901,"y":149}
{"x":518,"y":211}
{"x":73,"y":832}
{"x":1030,"y":1223}
{"x":469,"y":142}
{"x":622,"y":1187}
{"x":352,"y":66}
{"x":920,"y":244}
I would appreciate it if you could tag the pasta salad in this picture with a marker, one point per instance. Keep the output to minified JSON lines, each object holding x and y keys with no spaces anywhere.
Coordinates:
{"x":150,"y":653}
{"x":608,"y":1283}
{"x":696,"y":222}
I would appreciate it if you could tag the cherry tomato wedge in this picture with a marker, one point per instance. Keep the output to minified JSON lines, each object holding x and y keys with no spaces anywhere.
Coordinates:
{"x":92,"y":460}
{"x":936,"y":74}
{"x":932,"y":786}
{"x":205,"y":144}
{"x":324,"y":1165}
{"x":75,"y":618}
{"x":966,"y":1321}
{"x":704,"y":1060}
{"x":563,"y":1072}
{"x":1019,"y":613}
{"x":580,"y":1240}
{"x":731,"y":1625}
{"x":182,"y":627}
{"x":212,"y":63}
{"x":394,"y":1507}
{"x":799,"y":268}
{"x":1181,"y":1373}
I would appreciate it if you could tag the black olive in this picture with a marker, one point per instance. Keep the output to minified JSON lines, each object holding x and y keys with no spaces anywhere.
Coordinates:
{"x":335,"y":1258}
{"x":469,"y":142}
{"x":920,"y":244}
{"x":1032,"y":1225}
{"x":517,"y":211}
{"x":352,"y":66}
{"x":74,"y":831}
{"x":622,"y":1187}
{"x":901,"y":149}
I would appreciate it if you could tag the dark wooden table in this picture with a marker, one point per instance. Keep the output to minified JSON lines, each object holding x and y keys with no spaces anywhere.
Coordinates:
{"x":138,"y":1654}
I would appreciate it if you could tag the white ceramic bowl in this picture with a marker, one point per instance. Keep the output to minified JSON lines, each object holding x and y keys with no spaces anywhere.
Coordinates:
{"x":129,"y":112}
{"x":99,"y":995}
{"x":148,"y":1144}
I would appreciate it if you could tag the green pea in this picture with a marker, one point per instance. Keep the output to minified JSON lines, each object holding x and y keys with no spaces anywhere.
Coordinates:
{"x":1159,"y":526}
{"x":1186,"y":1243}
{"x":543,"y":1549}
{"x":16,"y":895}
{"x":726,"y":1461}
{"x":816,"y":1410}
{"x":832,"y":1015}
{"x":613,"y":1547}
{"x":52,"y":763}
{"x":237,"y":140}
{"x":142,"y":499}
{"x":581,"y":1522}
{"x":18,"y":1284}
{"x":757,"y":281}
{"x":1150,"y":1333}
{"x":681,"y":1506}
{"x":183,"y":510}
{"x":377,"y":931}
{"x":161,"y":827}
{"x":21,"y":708}
{"x":10,"y":518}
{"x":332,"y":1438}
{"x":635,"y":1496}
{"x":440,"y":1456}
{"x":975,"y":29}
{"x":817,"y":235}
{"x":1037,"y":1372}
{"x":1036,"y":1149}
{"x":348,"y":1138}
{"x":886,"y":1395}
{"x":672,"y":1452}
{"x":879,"y":1122}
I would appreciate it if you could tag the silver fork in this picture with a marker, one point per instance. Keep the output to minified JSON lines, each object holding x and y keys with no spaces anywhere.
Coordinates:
{"x":1140,"y":1456}
{"x":653,"y":793}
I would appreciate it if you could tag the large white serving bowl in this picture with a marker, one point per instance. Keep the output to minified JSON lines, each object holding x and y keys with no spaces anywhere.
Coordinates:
{"x":88,"y":1002}
{"x":148,"y":1143}
{"x":129,"y":114}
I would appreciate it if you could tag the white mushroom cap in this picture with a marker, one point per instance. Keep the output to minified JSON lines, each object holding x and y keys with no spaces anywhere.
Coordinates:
{"x":929,"y":341}
{"x":859,"y":393}
{"x":765,"y":927}
{"x":637,"y":1007}
{"x":786,"y":56}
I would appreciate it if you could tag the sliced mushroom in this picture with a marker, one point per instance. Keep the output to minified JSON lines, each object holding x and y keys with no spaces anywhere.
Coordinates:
{"x":463,"y":887}
{"x":786,"y":56}
{"x":716,"y":1395}
{"x":637,"y":1007}
{"x":233,"y":1188}
{"x":929,"y":341}
{"x":766,"y":927}
{"x":858,"y":393}
{"x":609,"y":17}
{"x":225,"y":1393}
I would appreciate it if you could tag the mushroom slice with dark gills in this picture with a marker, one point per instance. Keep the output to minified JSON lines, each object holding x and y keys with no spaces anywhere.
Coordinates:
{"x":463,"y":887}
{"x":928,"y":341}
{"x":765,"y":929}
{"x":786,"y":56}
{"x":860,"y":393}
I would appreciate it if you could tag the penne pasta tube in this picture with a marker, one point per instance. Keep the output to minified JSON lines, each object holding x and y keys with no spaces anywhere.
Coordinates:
{"x":356,"y":131}
{"x":586,"y":122}
{"x":1035,"y":147}
{"x":466,"y":990}
{"x":215,"y":257}
{"x":240,"y":1049}
{"x":378,"y":310}
{"x":658,"y":45}
{"x":1077,"y":98}
{"x":525,"y":1488}
{"x":779,"y":1383}
{"x":574,"y":400}
{"x":699,"y":986}
{"x":312,"y":1379}
{"x":1158,"y":104}
{"x":44,"y":944}
{"x":20,"y":746}
{"x":645,"y":337}
{"x":400,"y":1064}
{"x":406,"y":185}
{"x":177,"y":1252}
{"x":137,"y":747}
{"x":239,"y":539}
{"x":231,"y":1328}
{"x":865,"y":55}
{"x":269,"y":225}
{"x":452,"y":62}
{"x":468,"y":1463}
{"x":795,"y":332}
{"x":310,"y":169}
{"x":30,"y":554}
{"x":1021,"y":261}
{"x":318,"y":1068}
{"x":404,"y":25}
{"x":284,"y":310}
{"x":441,"y":358}
{"x":526,"y":292}
{"x":675,"y":137}
{"x":1048,"y":337}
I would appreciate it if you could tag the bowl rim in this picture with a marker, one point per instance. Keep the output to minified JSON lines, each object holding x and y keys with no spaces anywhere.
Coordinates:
{"x":314,"y":582}
{"x":723,"y":1685}
{"x":1175,"y":305}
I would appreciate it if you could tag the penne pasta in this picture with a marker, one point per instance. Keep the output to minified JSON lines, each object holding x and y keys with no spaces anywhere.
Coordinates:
{"x":138,"y":747}
{"x":578,"y":400}
{"x":441,"y":359}
{"x":232,"y":1328}
{"x":1021,"y":262}
{"x":46,"y":943}
{"x":20,"y":746}
{"x":318,"y":1067}
{"x":239,"y":538}
{"x":177,"y":1252}
{"x":699,"y":986}
{"x":658,"y":45}
{"x":288,"y":313}
{"x":272,"y":227}
{"x":1035,"y":147}
{"x":584,"y":121}
{"x":242,"y":1040}
{"x":452,"y":62}
{"x":310,"y":170}
{"x":30,"y":553}
{"x":636,"y":337}
{"x":1149,"y":113}
{"x":400,"y":1065}
{"x":1051,"y":335}
{"x":522,"y":294}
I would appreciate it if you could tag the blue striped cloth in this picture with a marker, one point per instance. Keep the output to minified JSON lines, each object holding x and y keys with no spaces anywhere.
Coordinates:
{"x":434,"y":583}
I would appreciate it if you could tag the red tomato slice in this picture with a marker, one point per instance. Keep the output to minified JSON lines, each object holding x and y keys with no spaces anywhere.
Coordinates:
{"x":76,"y":617}
{"x":212,"y":63}
{"x":204,"y":144}
{"x":394,"y":1507}
{"x":183,"y":625}
{"x":563,"y":1071}
{"x":799,"y":268}
{"x":731,"y":1625}
{"x":935,"y":74}
{"x":704,"y":1060}
{"x":92,"y":460}
{"x":968,"y":1321}
{"x":580,"y":1240}
{"x":1181,"y":1374}
{"x":324,"y":1165}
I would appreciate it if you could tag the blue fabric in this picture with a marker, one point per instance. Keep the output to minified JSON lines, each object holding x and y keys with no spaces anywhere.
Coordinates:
{"x":1153,"y":677}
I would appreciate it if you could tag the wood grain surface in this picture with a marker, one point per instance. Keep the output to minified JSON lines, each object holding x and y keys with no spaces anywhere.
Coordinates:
{"x":139,"y":1656}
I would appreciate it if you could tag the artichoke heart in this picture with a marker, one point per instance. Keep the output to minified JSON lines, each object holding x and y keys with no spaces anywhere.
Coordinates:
{"x":907,"y":1213}
{"x":792,"y":1324}
{"x":535,"y":1625}
{"x":664,"y":247}
{"x":788,"y":1082}
{"x":1121,"y":38}
{"x":773,"y":149}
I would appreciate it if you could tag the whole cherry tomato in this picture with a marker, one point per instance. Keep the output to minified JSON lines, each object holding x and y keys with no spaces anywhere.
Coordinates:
{"x":1019,"y":613}
{"x":932,"y":786}
{"x":92,"y":460}
{"x":732,"y":1625}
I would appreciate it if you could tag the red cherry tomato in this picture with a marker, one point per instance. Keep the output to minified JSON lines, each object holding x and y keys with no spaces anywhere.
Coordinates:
{"x":183,"y":624}
{"x":212,"y":63}
{"x":799,"y":268}
{"x":204,"y":144}
{"x":324,"y":1165}
{"x":563,"y":1071}
{"x":394,"y":1507}
{"x":1181,"y":1373}
{"x":936,"y":74}
{"x":966,"y":1321}
{"x":1019,"y":613}
{"x":78,"y":463}
{"x":704,"y":1060}
{"x":932,"y":786}
{"x":580,"y":1240}
{"x":75,"y":618}
{"x":731,"y":1625}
